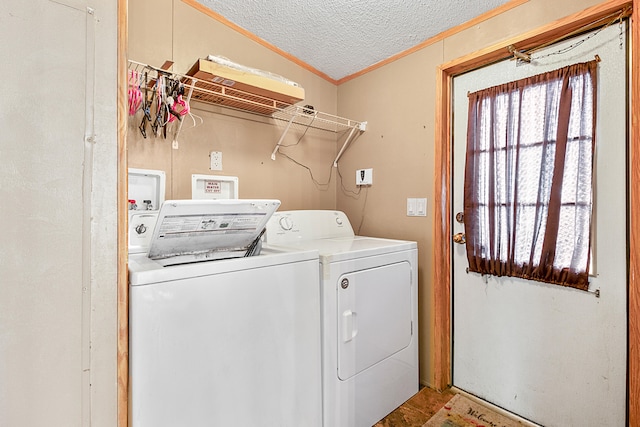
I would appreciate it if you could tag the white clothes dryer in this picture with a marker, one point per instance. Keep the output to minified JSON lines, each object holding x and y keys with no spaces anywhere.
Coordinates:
{"x":230,"y":342}
{"x":369,"y":314}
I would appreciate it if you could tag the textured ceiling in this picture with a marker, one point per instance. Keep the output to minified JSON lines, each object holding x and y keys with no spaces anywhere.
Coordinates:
{"x":342,"y":37}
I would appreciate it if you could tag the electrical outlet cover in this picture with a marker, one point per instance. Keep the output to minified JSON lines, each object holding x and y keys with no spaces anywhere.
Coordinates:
{"x":216,"y":160}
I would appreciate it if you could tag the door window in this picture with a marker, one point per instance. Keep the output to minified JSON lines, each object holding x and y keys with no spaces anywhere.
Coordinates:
{"x":528,"y":177}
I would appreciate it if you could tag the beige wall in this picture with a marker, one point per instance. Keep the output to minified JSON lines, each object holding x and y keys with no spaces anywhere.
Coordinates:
{"x":397,"y":100}
{"x":246,"y":141}
{"x":398,"y":103}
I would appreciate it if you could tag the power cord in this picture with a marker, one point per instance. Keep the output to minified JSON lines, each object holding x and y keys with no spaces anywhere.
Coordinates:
{"x":323,"y":186}
{"x":349,"y":193}
{"x":356,"y":196}
{"x":320,"y":185}
{"x":366,"y":193}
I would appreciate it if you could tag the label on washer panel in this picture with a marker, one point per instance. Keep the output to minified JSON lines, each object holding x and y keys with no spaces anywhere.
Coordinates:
{"x":206,"y":225}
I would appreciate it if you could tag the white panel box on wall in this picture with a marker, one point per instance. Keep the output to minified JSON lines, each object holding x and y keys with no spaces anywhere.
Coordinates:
{"x":214,"y":187}
{"x":145,"y":191}
{"x":146,"y":187}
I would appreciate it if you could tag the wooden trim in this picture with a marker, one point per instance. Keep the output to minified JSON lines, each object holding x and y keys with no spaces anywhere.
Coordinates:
{"x":438,"y":37}
{"x":633,"y":392}
{"x":200,"y":7}
{"x":123,"y":282}
{"x":531,"y":39}
{"x":442,"y":233}
{"x":441,"y":275}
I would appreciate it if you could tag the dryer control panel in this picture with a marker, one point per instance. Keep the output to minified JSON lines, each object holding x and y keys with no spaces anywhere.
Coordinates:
{"x":286,"y":227}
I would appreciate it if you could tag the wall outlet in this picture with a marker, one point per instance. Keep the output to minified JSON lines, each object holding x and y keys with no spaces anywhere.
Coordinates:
{"x":364,"y":176}
{"x":216,"y":160}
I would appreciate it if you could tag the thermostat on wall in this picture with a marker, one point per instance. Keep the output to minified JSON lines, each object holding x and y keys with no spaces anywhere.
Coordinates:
{"x":364,"y":176}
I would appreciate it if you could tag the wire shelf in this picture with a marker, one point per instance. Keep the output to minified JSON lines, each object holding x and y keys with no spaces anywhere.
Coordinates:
{"x":217,"y":94}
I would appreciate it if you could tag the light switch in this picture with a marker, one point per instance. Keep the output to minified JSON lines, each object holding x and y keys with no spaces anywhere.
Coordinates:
{"x":416,"y":206}
{"x":421,"y":207}
{"x":411,"y":207}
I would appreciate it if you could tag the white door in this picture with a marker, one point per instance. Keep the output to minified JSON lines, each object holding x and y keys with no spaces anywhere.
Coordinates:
{"x":551,"y":354}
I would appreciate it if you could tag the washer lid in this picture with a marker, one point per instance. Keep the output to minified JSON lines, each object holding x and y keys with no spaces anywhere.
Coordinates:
{"x":195,"y":230}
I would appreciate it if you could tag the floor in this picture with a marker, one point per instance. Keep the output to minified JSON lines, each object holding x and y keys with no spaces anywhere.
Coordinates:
{"x":417,"y":410}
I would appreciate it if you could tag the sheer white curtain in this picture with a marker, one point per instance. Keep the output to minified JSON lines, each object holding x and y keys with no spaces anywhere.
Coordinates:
{"x":528,"y":177}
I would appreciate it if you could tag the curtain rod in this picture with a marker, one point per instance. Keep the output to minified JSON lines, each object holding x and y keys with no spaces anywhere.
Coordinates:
{"x":619,"y":15}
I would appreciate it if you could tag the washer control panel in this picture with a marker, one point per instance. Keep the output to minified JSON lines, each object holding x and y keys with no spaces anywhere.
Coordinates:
{"x":286,"y":223}
{"x":291,"y":226}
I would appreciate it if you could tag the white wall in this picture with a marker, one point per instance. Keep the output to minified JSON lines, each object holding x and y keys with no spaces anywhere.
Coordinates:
{"x":58,"y":162}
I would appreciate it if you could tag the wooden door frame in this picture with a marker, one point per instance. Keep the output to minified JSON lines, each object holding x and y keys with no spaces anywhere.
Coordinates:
{"x":442,"y":277}
{"x":123,"y":218}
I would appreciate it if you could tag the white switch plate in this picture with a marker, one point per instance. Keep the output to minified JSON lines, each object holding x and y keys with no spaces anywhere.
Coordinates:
{"x":411,"y":207}
{"x":421,"y":207}
{"x":216,"y":160}
{"x":364,"y":176}
{"x":416,"y":206}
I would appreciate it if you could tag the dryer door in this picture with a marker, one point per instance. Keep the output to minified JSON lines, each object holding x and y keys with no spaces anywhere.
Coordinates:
{"x":374,"y":316}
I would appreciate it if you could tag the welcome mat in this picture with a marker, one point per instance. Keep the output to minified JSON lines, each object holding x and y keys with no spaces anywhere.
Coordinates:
{"x":463,"y":412}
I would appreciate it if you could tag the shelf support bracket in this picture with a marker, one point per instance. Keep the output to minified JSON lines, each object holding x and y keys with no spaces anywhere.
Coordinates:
{"x":286,"y":129}
{"x":344,"y":147}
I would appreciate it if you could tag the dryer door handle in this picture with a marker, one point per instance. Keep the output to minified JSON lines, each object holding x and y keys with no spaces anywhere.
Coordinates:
{"x":349,"y":325}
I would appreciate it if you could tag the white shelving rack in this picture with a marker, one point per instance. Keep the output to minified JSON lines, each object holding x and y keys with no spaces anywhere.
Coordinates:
{"x":213,"y":93}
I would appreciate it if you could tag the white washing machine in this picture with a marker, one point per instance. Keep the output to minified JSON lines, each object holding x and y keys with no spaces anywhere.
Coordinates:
{"x":230,"y":342}
{"x":369,"y":314}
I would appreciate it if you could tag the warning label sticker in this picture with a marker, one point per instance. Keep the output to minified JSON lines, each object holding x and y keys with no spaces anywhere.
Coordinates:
{"x":212,"y":187}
